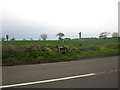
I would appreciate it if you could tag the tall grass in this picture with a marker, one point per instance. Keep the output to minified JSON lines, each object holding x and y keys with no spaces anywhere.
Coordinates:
{"x":37,"y":51}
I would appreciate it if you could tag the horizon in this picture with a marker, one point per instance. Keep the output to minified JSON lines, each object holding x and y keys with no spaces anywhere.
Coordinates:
{"x":53,"y":39}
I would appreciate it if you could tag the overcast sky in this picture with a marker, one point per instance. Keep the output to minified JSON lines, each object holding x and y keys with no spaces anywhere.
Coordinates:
{"x":31,"y":18}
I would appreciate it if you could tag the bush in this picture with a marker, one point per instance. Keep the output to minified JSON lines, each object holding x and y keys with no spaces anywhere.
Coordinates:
{"x":112,"y":45}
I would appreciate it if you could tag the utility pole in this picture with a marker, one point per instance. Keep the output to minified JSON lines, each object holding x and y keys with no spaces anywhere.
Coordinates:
{"x":80,"y":40}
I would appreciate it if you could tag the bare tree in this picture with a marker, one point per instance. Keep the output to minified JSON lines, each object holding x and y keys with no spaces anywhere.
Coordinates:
{"x":44,"y":36}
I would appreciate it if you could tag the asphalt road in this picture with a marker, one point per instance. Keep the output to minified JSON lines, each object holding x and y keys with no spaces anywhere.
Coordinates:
{"x":86,"y":73}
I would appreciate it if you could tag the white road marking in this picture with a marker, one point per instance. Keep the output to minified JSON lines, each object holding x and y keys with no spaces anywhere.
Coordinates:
{"x":44,"y":81}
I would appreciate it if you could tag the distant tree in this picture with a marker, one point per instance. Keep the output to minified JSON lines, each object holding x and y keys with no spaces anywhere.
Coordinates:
{"x":115,"y":35}
{"x":44,"y":36}
{"x":103,"y":35}
{"x":31,"y":39}
{"x":12,"y":39}
{"x":3,"y":39}
{"x":23,"y":39}
{"x":67,"y":39}
{"x":60,"y":35}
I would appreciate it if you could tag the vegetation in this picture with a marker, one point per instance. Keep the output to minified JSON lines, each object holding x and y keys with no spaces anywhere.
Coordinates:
{"x":24,"y":52}
{"x":12,"y":39}
{"x":3,"y":39}
{"x":44,"y":36}
{"x":104,"y":35}
{"x":60,"y":35}
{"x":115,"y":35}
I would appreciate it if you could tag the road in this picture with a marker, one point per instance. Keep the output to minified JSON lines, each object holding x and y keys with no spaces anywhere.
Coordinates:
{"x":86,"y":73}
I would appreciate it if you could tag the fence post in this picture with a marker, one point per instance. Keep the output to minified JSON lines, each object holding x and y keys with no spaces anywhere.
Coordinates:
{"x":7,"y":43}
{"x":80,"y":39}
{"x":63,"y":43}
{"x":57,"y":44}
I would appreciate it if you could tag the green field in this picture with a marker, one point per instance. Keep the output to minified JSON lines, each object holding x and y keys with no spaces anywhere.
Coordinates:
{"x":24,"y":52}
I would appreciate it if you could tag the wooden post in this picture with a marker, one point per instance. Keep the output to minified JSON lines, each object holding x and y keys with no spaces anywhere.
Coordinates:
{"x":57,"y":44}
{"x":63,"y":43}
{"x":80,"y":39}
{"x":7,"y":43}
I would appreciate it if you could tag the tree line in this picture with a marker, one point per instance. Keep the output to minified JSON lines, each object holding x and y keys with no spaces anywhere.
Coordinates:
{"x":103,"y":35}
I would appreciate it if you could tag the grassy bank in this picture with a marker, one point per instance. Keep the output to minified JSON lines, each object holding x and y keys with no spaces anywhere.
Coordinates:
{"x":24,"y":52}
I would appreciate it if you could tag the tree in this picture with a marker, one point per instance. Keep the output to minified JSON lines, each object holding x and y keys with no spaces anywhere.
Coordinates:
{"x":115,"y":35}
{"x":60,"y":35}
{"x":31,"y":39}
{"x":103,"y":35}
{"x":13,"y":39}
{"x":23,"y":39}
{"x":3,"y":39}
{"x":44,"y":36}
{"x":39,"y":39}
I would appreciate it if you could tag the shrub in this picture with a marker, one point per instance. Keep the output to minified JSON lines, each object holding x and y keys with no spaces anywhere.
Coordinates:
{"x":112,"y":45}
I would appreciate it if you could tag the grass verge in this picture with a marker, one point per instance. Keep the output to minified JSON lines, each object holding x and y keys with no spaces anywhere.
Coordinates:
{"x":35,"y":52}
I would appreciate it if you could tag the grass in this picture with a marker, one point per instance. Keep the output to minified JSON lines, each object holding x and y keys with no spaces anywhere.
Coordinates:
{"x":75,"y":43}
{"x":24,"y":52}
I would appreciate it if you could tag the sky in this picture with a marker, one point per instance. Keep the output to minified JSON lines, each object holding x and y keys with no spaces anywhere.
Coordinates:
{"x":31,"y":18}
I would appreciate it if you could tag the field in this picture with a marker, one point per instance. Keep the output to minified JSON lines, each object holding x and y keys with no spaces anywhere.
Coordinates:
{"x":27,"y":52}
